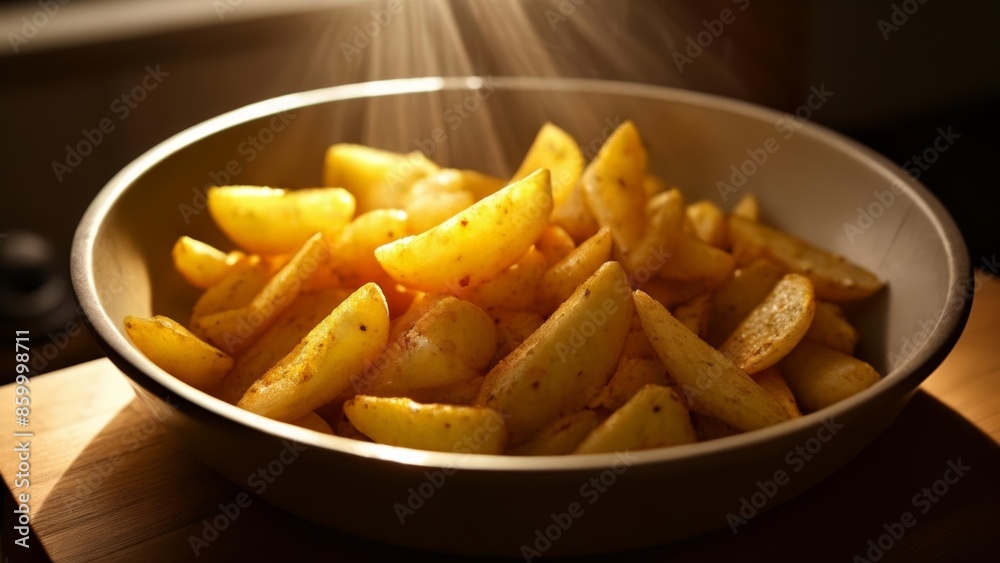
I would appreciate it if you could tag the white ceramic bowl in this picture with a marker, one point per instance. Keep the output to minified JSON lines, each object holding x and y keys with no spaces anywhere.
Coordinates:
{"x":812,"y":184}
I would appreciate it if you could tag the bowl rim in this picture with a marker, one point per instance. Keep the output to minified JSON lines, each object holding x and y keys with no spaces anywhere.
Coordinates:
{"x":902,"y":379}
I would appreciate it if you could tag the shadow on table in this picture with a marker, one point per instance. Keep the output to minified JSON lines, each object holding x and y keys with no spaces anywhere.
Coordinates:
{"x":833,"y":521}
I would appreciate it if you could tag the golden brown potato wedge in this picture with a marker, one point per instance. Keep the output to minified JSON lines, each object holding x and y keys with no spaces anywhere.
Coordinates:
{"x":179,"y":352}
{"x":561,"y":436}
{"x":559,"y":281}
{"x":637,"y":346}
{"x":653,"y":185}
{"x":272,"y":221}
{"x":664,"y":228}
{"x":834,"y":278}
{"x":313,"y":421}
{"x":322,"y":366}
{"x":696,"y":314}
{"x":438,"y":428}
{"x":733,"y":301}
{"x":655,"y":417}
{"x":708,"y":223}
{"x":748,"y":208}
{"x":560,"y":367}
{"x":513,"y":328}
{"x":514,"y":288}
{"x":202,"y":265}
{"x":352,"y":250}
{"x":671,"y":293}
{"x":378,"y":179}
{"x":774,"y":383}
{"x":451,"y":255}
{"x":236,"y":289}
{"x":711,"y":383}
{"x":430,"y":210}
{"x":558,"y":151}
{"x":774,"y":327}
{"x":693,"y":259}
{"x":461,"y":393}
{"x":481,"y":185}
{"x":287,"y":331}
{"x":830,"y":328}
{"x":234,"y":330}
{"x":555,"y":244}
{"x":453,"y":342}
{"x":613,"y":186}
{"x":710,"y":428}
{"x":575,"y":217}
{"x":632,"y":374}
{"x":819,"y":376}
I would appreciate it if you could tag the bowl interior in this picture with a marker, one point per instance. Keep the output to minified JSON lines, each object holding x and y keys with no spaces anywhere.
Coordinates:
{"x":810,"y":182}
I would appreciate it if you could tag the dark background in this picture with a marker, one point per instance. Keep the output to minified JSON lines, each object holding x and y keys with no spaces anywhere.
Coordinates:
{"x":939,"y":69}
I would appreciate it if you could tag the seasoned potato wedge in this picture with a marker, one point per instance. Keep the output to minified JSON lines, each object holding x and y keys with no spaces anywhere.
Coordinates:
{"x":378,"y":179}
{"x":748,"y":208}
{"x":613,"y":186}
{"x":461,"y":393}
{"x":430,"y":210}
{"x":774,"y":383}
{"x":514,"y":288}
{"x":562,"y":279}
{"x":655,"y":417}
{"x":481,"y":185}
{"x":653,"y":185}
{"x":288,"y":329}
{"x":554,"y":243}
{"x":560,"y":367}
{"x":313,"y":421}
{"x":671,"y":293}
{"x":819,"y":376}
{"x":236,"y":289}
{"x":438,"y":428}
{"x":453,"y":342}
{"x":179,"y":352}
{"x":513,"y":328}
{"x":352,"y":250}
{"x":733,"y":301}
{"x":834,"y":278}
{"x":693,"y":259}
{"x":696,"y":314}
{"x":708,"y":223}
{"x":574,"y":216}
{"x":336,"y":351}
{"x":275,"y":221}
{"x":664,"y":228}
{"x":202,"y":265}
{"x":561,"y":436}
{"x":558,"y":151}
{"x":711,"y":383}
{"x":234,"y":330}
{"x":451,"y":255}
{"x":774,"y":327}
{"x":830,"y":328}
{"x":632,"y":374}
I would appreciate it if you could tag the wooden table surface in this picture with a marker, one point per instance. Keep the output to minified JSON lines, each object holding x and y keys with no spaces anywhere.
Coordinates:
{"x":109,"y":483}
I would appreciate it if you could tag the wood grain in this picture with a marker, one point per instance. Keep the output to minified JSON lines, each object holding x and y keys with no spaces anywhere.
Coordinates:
{"x":109,"y":483}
